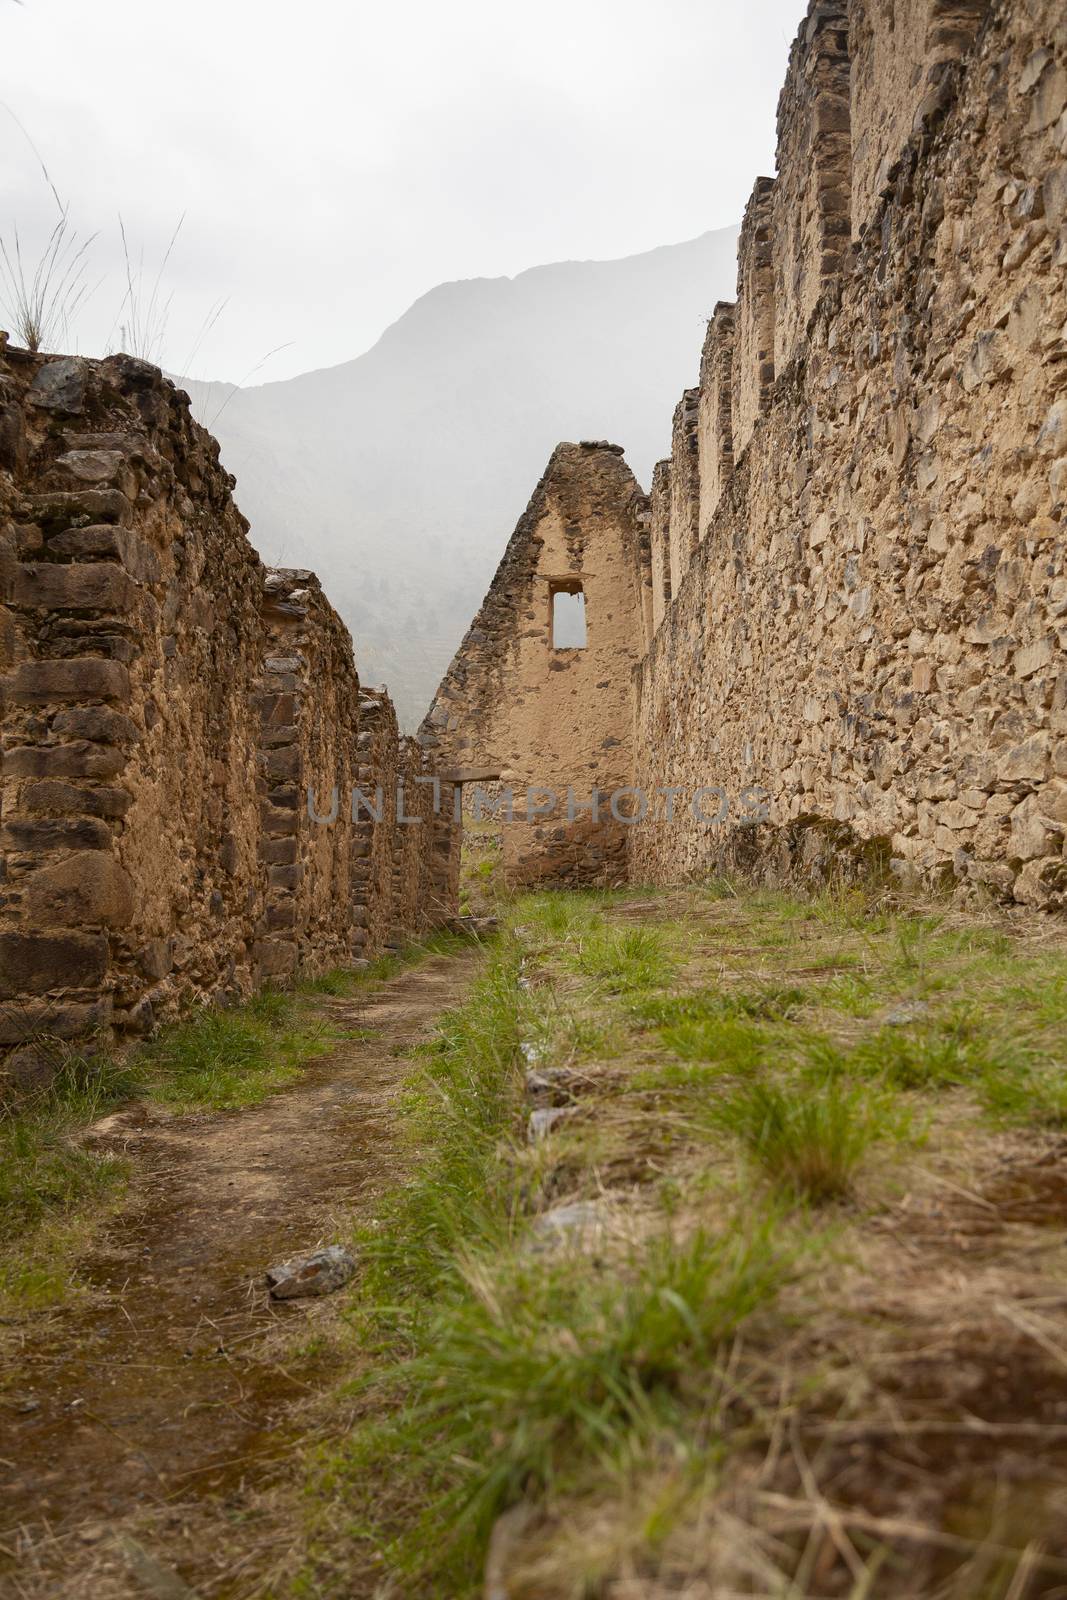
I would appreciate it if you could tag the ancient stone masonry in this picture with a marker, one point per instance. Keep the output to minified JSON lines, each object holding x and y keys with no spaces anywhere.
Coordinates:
{"x":810,"y":207}
{"x":857,"y":554}
{"x":752,"y":372}
{"x":517,"y":708}
{"x":684,"y":525}
{"x":166,"y":703}
{"x":873,"y":627}
{"x":659,"y":515}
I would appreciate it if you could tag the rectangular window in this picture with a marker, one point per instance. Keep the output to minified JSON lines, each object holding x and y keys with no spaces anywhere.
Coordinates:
{"x":567,"y":599}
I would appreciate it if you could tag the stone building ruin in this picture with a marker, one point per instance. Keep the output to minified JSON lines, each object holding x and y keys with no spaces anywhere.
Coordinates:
{"x":168,"y":703}
{"x":846,"y":588}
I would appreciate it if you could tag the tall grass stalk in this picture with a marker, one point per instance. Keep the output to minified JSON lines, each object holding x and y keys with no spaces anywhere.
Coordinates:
{"x":42,"y":294}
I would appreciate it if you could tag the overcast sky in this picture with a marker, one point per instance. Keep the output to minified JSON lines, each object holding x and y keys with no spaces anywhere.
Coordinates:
{"x":335,"y":159}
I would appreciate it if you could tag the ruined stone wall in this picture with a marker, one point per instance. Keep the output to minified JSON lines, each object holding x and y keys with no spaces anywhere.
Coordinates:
{"x":166,"y":701}
{"x":307,"y":699}
{"x":900,"y":52}
{"x":515,"y":708}
{"x":683,"y":532}
{"x":874,"y":625}
{"x":810,"y":207}
{"x":715,"y":445}
{"x":659,"y":524}
{"x":752,"y":369}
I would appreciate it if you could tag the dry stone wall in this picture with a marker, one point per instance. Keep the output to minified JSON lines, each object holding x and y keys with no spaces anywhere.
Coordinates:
{"x":516,"y":710}
{"x":752,"y":371}
{"x":873,"y":627}
{"x":166,"y":703}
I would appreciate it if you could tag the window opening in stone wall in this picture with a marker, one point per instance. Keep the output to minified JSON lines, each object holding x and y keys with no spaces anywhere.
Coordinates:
{"x":568,"y":615}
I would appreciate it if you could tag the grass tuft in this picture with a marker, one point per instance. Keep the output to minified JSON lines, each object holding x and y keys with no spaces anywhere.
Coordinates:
{"x":809,"y":1140}
{"x":623,"y":960}
{"x":532,"y":1370}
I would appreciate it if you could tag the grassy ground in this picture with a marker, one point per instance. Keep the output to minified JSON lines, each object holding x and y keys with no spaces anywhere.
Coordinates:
{"x":765,"y":1297}
{"x":55,"y":1188}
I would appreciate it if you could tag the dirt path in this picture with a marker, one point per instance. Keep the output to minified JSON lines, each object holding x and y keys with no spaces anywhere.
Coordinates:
{"x":165,"y":1391}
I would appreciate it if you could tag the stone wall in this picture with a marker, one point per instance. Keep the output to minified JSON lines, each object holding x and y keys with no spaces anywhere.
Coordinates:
{"x":900,"y":53}
{"x":873,"y":627}
{"x":753,"y":357}
{"x":659,"y":523}
{"x":810,"y":206}
{"x":684,"y":518}
{"x":515,"y":708}
{"x":715,"y":441}
{"x":307,"y":702}
{"x":166,"y":703}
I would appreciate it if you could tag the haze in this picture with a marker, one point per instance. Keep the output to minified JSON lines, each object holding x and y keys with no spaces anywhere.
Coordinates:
{"x":335,"y":160}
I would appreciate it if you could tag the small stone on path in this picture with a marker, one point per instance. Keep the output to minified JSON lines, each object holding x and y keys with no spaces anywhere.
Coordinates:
{"x":321,"y":1272}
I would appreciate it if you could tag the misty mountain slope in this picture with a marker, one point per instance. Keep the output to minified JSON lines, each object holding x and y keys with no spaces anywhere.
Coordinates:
{"x":399,"y":476}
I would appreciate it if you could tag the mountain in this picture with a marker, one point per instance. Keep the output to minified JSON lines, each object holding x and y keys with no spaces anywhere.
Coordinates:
{"x":398,"y":476}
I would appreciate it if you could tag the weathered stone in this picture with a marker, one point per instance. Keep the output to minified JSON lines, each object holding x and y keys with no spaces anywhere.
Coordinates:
{"x":97,"y":723}
{"x":54,"y":833}
{"x":61,"y":386}
{"x":78,"y":760}
{"x":76,"y":678}
{"x":40,"y":1020}
{"x":32,"y":963}
{"x":98,"y":586}
{"x":322,"y":1272}
{"x":90,"y":889}
{"x":276,"y":958}
{"x":545,"y":1119}
{"x":93,"y":466}
{"x":109,"y":541}
{"x":156,"y":958}
{"x":53,"y":795}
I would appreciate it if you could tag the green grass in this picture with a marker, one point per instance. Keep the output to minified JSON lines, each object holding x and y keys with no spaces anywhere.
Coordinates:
{"x":41,"y":1170}
{"x":223,"y":1060}
{"x":497,"y":1371}
{"x":464,"y":1093}
{"x":623,"y":960}
{"x":809,"y":1140}
{"x":533,"y":1371}
{"x":48,"y":1180}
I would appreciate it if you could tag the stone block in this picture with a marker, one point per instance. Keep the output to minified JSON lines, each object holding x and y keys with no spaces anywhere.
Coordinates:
{"x":40,"y":1020}
{"x":156,"y":958}
{"x":79,"y":760}
{"x":61,"y":386}
{"x":33,"y":963}
{"x":278,"y":765}
{"x":103,"y":541}
{"x":56,"y":511}
{"x":98,"y":723}
{"x":38,"y":683}
{"x":82,"y":586}
{"x":276,"y":958}
{"x":55,"y":833}
{"x":285,"y":877}
{"x":279,"y":852}
{"x":81,"y":890}
{"x":52,"y":794}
